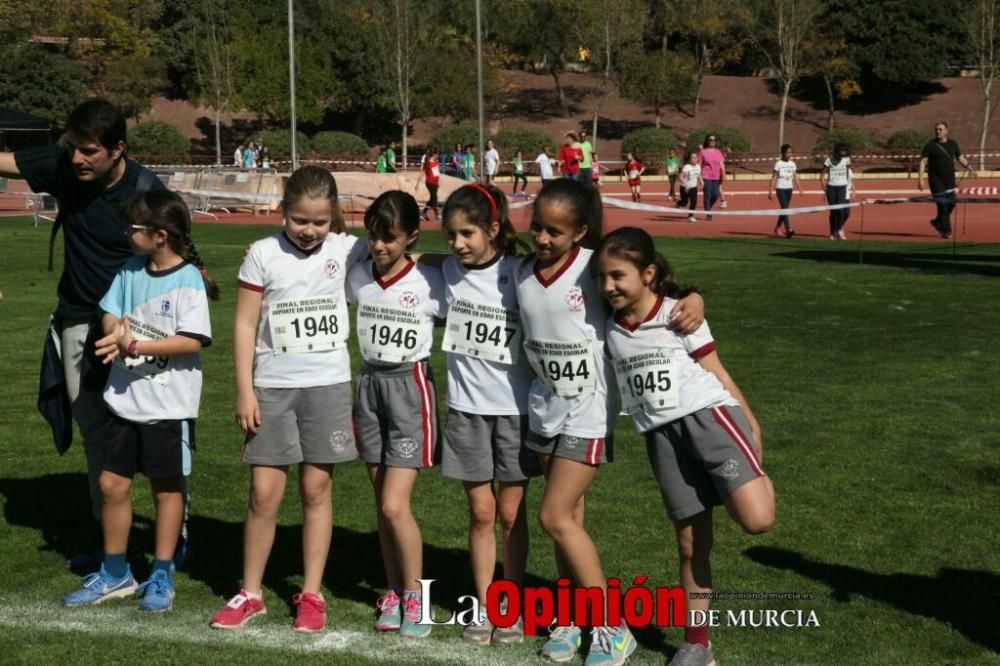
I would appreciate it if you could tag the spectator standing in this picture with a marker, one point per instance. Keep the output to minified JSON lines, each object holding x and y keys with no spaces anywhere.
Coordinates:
{"x":672,"y":166}
{"x":390,"y":157}
{"x":586,"y":162}
{"x":937,"y":161}
{"x":569,"y":157}
{"x":713,"y":171}
{"x":545,"y":162}
{"x":491,"y":162}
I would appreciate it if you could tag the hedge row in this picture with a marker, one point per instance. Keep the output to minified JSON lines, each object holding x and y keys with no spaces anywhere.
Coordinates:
{"x":166,"y":142}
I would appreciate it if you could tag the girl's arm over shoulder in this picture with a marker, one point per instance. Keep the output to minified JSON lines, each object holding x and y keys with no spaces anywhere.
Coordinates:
{"x":713,"y":364}
{"x":688,"y":313}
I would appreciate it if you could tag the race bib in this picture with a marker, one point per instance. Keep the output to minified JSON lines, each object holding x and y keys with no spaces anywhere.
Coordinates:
{"x":304,"y":325}
{"x":633,"y":174}
{"x":567,"y":367}
{"x":391,"y":335}
{"x":148,"y":367}
{"x":647,"y":382}
{"x":489,"y":332}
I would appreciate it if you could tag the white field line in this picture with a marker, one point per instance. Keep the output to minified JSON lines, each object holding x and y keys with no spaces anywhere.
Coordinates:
{"x":119,"y":620}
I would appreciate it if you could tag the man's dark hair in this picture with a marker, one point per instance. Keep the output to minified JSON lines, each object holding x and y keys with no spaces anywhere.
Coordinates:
{"x":97,"y":120}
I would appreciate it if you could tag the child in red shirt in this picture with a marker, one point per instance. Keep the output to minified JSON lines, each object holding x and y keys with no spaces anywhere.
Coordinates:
{"x":432,"y":178}
{"x":634,"y":169}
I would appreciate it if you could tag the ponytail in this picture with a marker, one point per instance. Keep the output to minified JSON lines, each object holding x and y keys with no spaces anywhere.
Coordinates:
{"x":191,"y":254}
{"x":636,"y":247}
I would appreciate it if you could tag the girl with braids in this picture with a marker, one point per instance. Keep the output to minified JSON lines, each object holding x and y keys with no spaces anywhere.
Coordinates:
{"x":703,"y":442}
{"x":155,"y":323}
{"x":488,"y":382}
{"x":293,"y":385}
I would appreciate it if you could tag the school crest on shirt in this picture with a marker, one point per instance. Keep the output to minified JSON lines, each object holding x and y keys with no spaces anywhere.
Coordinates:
{"x":164,"y":308}
{"x":332,"y":268}
{"x":504,"y":279}
{"x":575,"y":299}
{"x":338,"y":441}
{"x":409,"y":300}
{"x":405,"y":447}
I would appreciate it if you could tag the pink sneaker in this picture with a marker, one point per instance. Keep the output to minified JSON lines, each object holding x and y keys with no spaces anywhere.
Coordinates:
{"x":390,"y":616}
{"x":238,"y":612}
{"x":311,"y":614}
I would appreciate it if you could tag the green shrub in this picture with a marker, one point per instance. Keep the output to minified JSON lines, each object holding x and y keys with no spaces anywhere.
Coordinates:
{"x":909,"y":139}
{"x":648,"y":143}
{"x":528,"y":141}
{"x":339,"y":144}
{"x":279,"y":141}
{"x":158,"y":140}
{"x":731,"y":140}
{"x":446,"y":137}
{"x":857,"y":140}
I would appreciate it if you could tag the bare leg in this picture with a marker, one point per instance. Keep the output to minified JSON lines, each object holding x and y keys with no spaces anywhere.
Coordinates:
{"x":568,"y":481}
{"x":511,"y":503}
{"x":482,"y":534}
{"x":317,"y":522}
{"x":116,"y":513}
{"x":387,"y":547}
{"x":169,"y":515}
{"x":397,"y":488}
{"x":267,"y":487}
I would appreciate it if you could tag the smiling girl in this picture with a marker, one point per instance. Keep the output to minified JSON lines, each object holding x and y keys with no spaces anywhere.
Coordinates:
{"x":488,"y":381}
{"x":703,"y":442}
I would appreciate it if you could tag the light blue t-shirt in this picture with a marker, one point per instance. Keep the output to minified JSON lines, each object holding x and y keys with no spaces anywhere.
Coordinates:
{"x":159,"y":304}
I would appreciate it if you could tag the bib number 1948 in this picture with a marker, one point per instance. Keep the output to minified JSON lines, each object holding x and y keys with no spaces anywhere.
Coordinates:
{"x":308,"y":324}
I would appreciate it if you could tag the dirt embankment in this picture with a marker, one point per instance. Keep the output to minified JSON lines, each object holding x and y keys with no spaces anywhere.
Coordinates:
{"x":748,"y":104}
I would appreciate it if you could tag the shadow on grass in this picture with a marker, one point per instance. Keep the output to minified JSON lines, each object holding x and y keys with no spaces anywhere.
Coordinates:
{"x":958,"y":598}
{"x":987,"y":265}
{"x":52,"y":504}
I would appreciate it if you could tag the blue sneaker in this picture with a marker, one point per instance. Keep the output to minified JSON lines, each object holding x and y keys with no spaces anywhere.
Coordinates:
{"x":563,"y":643}
{"x":610,"y":646}
{"x":99,"y":587}
{"x":158,"y":592}
{"x":411,"y":627}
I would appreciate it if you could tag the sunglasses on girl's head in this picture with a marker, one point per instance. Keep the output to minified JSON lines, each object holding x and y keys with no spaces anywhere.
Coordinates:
{"x":138,"y":227}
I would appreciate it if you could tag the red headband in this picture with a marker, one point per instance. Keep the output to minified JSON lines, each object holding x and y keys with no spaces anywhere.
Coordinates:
{"x":489,"y":197}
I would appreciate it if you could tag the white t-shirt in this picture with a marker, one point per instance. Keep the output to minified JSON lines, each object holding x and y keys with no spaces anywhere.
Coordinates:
{"x":544,"y":166}
{"x":492,"y":160}
{"x":786,"y":174}
{"x":304,"y":325}
{"x":690,"y":174}
{"x":839,"y":174}
{"x":563,"y":317}
{"x":484,"y":317}
{"x":395,"y":319}
{"x":638,"y":354}
{"x":159,"y":304}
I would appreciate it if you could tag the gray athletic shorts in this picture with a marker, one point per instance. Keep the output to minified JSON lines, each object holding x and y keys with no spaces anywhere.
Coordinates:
{"x":701,"y":459}
{"x":298,"y":425}
{"x":395,"y":415}
{"x":589,"y":451}
{"x":482,"y":448}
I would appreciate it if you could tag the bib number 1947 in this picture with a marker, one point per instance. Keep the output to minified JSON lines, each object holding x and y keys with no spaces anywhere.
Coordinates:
{"x":488,"y":332}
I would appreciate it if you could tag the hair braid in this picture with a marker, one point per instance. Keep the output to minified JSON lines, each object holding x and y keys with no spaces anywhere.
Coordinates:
{"x":191,"y":253}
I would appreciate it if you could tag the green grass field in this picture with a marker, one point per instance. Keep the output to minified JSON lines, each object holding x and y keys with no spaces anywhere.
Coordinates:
{"x":876,"y":385}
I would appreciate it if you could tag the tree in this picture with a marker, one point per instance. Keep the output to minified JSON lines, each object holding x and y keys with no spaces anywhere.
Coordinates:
{"x":780,"y":29}
{"x":132,"y":81}
{"x":32,"y":80}
{"x":983,"y":21}
{"x":891,"y":42}
{"x":213,"y":41}
{"x":657,"y":78}
{"x":549,"y":30}
{"x":827,"y":57}
{"x":405,"y":32}
{"x":611,"y":28}
{"x":713,"y":29}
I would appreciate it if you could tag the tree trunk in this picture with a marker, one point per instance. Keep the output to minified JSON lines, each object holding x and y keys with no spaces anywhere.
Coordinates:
{"x":830,"y":101}
{"x":987,"y":104}
{"x":702,"y":65}
{"x":785,"y":89}
{"x":563,"y":109}
{"x":656,"y":113}
{"x":405,"y":123}
{"x":218,"y":137}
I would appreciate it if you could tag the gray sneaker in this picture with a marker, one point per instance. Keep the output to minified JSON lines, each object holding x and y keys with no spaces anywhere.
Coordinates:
{"x":509,"y":635}
{"x":478,"y":633}
{"x":693,"y":654}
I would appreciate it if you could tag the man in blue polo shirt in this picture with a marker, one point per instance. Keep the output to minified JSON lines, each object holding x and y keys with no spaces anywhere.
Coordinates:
{"x":93,"y":179}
